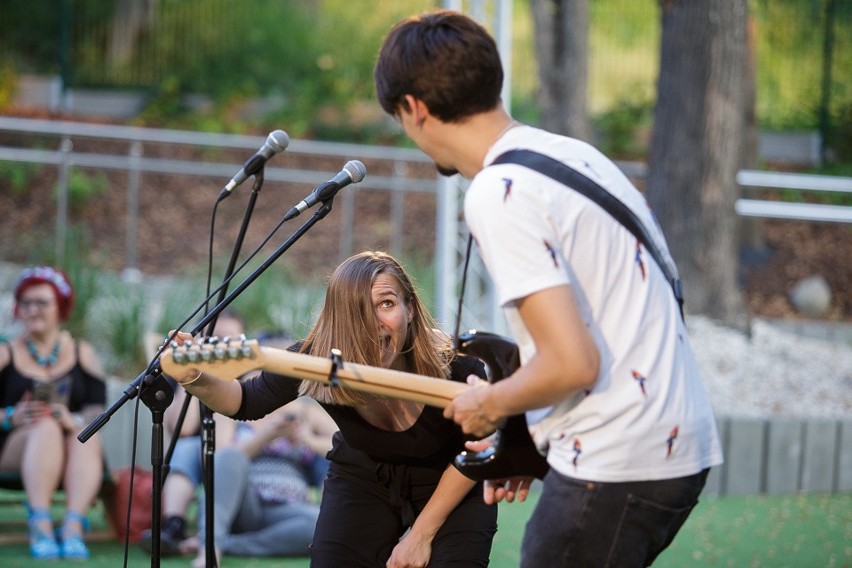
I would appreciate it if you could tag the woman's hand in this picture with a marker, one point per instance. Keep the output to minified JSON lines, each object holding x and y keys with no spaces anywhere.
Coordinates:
{"x":413,"y":551}
{"x":28,"y":411}
{"x":180,"y":337}
{"x":69,"y":421}
{"x":288,"y":425}
{"x":61,"y":414}
{"x":224,"y":397}
{"x":496,"y":490}
{"x":192,"y":374}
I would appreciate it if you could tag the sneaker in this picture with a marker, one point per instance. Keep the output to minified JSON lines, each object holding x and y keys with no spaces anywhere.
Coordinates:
{"x":171,"y":535}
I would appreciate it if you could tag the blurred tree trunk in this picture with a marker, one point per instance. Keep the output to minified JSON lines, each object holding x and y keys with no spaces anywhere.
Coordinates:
{"x":696,"y":148}
{"x":561,"y":42}
{"x":130,"y":20}
{"x":751,"y":240}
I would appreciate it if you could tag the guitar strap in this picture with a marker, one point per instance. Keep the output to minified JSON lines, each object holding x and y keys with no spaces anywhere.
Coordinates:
{"x":587,"y":187}
{"x":457,"y":336}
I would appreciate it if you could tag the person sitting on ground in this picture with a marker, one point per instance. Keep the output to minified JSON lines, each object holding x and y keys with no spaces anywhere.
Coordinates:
{"x":262,"y":505}
{"x":51,"y":385}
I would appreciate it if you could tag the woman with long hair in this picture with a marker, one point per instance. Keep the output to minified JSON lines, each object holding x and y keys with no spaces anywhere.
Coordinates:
{"x":392,"y":496}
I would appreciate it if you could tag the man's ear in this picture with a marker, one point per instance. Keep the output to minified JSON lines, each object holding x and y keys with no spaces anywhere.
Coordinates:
{"x":418,"y":109}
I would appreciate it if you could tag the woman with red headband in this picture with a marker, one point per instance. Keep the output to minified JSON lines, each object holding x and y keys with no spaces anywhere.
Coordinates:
{"x":50,"y":386}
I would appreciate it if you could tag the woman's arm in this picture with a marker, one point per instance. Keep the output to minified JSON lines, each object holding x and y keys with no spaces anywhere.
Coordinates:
{"x":5,"y":353}
{"x":224,"y":397}
{"x":415,"y":548}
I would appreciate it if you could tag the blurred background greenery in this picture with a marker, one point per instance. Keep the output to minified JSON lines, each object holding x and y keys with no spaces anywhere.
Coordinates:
{"x":309,"y":64}
{"x":228,"y":66}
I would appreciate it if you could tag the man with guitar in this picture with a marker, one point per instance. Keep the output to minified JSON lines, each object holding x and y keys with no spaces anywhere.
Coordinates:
{"x":607,"y":377}
{"x":392,"y":496}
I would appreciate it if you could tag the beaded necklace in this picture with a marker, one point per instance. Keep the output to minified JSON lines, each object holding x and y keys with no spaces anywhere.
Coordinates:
{"x":49,"y":360}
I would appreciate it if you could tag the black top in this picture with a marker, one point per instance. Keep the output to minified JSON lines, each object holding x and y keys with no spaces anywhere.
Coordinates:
{"x":432,"y":441}
{"x":85,"y":388}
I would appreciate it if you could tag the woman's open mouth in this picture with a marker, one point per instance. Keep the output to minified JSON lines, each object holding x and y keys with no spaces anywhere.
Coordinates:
{"x":387,"y":349}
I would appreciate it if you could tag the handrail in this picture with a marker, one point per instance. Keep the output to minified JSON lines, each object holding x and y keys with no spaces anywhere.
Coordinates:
{"x":398,"y":182}
{"x":806,"y":182}
{"x":216,"y":139}
{"x":794,"y":210}
{"x":200,"y":168}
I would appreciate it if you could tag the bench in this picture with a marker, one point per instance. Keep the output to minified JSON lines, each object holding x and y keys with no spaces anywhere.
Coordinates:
{"x":13,"y":512}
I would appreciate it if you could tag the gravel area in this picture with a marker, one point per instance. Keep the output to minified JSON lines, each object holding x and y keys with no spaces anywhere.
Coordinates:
{"x":773,"y":372}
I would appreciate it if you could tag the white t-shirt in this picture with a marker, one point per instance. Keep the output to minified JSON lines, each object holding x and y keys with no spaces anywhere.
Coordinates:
{"x":647,"y":416}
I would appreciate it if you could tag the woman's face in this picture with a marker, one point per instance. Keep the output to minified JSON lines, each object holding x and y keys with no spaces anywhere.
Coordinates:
{"x":393,"y":316}
{"x":38,"y":309}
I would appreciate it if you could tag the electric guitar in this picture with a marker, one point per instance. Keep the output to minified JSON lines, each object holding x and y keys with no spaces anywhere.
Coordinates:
{"x":512,"y":453}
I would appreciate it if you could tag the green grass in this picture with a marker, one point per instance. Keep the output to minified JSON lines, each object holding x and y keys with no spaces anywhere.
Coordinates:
{"x":751,"y":531}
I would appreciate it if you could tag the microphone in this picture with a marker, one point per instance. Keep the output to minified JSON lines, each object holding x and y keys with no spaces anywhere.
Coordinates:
{"x":353,"y":172}
{"x":277,"y":141}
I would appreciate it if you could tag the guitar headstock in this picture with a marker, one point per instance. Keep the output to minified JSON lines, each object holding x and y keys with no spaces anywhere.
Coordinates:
{"x":225,"y":359}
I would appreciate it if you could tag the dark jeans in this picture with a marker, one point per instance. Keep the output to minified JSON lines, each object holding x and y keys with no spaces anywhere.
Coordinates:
{"x":580,"y":523}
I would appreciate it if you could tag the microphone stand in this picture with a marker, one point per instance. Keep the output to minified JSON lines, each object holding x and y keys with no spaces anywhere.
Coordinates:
{"x":208,"y":424}
{"x":153,"y":379}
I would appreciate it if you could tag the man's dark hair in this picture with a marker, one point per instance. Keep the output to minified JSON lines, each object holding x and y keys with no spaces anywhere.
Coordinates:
{"x":445,"y":59}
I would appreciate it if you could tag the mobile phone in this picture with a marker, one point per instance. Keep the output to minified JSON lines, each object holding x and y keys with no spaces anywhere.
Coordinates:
{"x":43,"y":392}
{"x":56,"y":391}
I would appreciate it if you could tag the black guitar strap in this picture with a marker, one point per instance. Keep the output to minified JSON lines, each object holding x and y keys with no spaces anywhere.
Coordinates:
{"x":457,"y":336}
{"x":587,"y":187}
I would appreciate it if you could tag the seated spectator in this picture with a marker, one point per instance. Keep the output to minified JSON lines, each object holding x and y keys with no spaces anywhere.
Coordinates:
{"x":323,"y":425}
{"x":51,"y":386}
{"x":263,"y":509}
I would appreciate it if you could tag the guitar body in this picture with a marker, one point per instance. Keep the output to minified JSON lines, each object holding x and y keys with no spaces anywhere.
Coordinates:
{"x":513,"y":452}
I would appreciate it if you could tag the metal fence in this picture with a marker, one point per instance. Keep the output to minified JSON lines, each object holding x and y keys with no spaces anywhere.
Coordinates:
{"x":134,"y":163}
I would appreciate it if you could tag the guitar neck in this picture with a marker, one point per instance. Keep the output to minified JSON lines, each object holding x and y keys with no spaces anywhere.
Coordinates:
{"x":235,"y":359}
{"x":376,"y":380}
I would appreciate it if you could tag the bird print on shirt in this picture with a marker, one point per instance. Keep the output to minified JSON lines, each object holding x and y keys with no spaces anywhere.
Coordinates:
{"x":670,"y":441}
{"x":578,"y":449}
{"x":507,"y":189}
{"x":640,"y":260}
{"x":640,"y":379}
{"x":551,"y":250}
